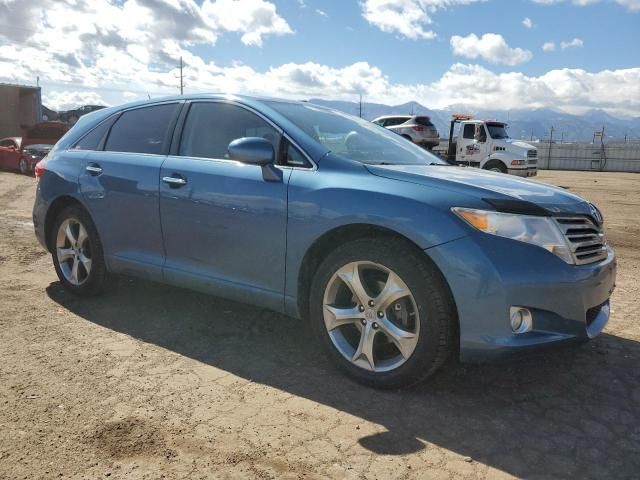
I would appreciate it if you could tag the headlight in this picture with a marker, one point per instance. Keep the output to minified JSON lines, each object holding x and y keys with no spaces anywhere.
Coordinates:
{"x":540,"y":231}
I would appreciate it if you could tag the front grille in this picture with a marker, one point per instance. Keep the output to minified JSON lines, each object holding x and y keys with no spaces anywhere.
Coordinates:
{"x":532,"y":162}
{"x":585,"y":238}
{"x":532,"y":154}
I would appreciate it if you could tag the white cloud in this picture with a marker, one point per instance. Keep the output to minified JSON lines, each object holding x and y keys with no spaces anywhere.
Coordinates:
{"x":491,"y":47}
{"x":121,"y":50}
{"x":548,"y":46}
{"x":321,"y":13}
{"x":67,"y":100}
{"x":633,"y":5}
{"x":527,"y":22}
{"x":147,"y":23}
{"x":575,"y":43}
{"x":407,"y":18}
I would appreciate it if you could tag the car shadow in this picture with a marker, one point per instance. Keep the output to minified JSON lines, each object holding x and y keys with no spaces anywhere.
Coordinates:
{"x":572,"y":412}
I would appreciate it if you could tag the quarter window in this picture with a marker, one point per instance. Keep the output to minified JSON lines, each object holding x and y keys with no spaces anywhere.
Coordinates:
{"x":210,"y":128}
{"x":143,"y":130}
{"x":92,"y":140}
{"x":294,"y":157}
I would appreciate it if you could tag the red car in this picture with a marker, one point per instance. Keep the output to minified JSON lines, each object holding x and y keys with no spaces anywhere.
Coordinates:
{"x":22,"y":153}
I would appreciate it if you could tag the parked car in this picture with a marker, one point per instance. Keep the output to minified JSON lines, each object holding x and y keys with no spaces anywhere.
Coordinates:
{"x":399,"y":260}
{"x":22,"y":153}
{"x":31,"y":155}
{"x":417,"y":128}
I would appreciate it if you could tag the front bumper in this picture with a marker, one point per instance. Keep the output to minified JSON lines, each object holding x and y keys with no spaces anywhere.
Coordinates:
{"x":488,"y":275}
{"x":523,"y":172}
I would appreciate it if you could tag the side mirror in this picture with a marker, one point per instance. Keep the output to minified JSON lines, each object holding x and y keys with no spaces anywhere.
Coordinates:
{"x":251,"y":150}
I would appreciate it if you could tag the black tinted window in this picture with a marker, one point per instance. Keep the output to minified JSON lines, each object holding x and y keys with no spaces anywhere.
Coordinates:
{"x":91,"y":141}
{"x":211,"y":127}
{"x":143,"y":130}
{"x":424,"y":121}
{"x":469,"y":131}
{"x":391,"y":122}
{"x":294,"y":157}
{"x":7,"y":143}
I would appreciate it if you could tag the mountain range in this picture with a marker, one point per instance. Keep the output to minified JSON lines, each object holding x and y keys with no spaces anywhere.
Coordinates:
{"x":526,"y":124}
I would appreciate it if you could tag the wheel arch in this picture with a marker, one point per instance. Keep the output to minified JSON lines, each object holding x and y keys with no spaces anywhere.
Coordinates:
{"x":332,"y":239}
{"x":56,"y":206}
{"x":495,"y":160}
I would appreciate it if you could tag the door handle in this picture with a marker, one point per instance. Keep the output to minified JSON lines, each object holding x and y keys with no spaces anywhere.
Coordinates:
{"x":93,"y":169}
{"x":175,"y":181}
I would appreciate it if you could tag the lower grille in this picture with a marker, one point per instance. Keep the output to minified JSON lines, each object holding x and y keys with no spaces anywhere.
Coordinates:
{"x":592,"y":314}
{"x":585,"y":238}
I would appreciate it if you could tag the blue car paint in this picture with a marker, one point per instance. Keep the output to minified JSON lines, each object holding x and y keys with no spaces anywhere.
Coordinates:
{"x":247,"y":240}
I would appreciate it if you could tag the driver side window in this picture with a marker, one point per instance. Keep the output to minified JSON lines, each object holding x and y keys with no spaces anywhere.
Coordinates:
{"x":210,"y":127}
{"x":469,"y":131}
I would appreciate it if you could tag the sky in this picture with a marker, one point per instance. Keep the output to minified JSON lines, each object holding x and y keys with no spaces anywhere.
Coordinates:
{"x":568,"y":55}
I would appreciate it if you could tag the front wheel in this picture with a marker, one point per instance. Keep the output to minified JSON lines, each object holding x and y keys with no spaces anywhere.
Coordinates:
{"x":77,"y":252}
{"x":496,"y":166}
{"x":383,"y":314}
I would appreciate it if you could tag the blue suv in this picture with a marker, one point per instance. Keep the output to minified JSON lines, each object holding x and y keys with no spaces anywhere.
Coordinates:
{"x":399,"y":260}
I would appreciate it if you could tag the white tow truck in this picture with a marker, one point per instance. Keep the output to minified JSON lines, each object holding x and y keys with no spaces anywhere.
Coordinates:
{"x":486,"y":144}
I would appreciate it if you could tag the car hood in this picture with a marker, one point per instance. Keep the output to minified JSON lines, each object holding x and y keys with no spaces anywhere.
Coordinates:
{"x":484,"y":184}
{"x":517,"y":143}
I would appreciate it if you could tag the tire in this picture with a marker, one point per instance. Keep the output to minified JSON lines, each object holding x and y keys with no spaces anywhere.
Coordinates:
{"x":90,"y":277}
{"x":496,"y":166}
{"x":23,"y":166}
{"x":428,"y":317}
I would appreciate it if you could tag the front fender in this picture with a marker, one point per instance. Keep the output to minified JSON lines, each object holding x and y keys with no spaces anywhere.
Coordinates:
{"x":348,"y":195}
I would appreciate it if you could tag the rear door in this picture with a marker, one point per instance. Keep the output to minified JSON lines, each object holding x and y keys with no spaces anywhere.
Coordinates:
{"x":223,"y":222}
{"x":120,"y":185}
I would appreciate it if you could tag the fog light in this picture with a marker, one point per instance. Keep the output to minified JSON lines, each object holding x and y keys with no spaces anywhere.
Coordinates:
{"x":521,"y":320}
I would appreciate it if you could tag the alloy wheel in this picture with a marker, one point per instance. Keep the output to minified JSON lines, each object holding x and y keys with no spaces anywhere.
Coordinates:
{"x":73,"y":250}
{"x":371,"y":316}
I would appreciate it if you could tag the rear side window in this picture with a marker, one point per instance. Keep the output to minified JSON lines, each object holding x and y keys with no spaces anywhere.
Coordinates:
{"x":143,"y":130}
{"x":424,"y":121}
{"x":210,"y":128}
{"x":7,"y":143}
{"x":391,"y":122}
{"x":469,"y":131}
{"x":93,"y":139}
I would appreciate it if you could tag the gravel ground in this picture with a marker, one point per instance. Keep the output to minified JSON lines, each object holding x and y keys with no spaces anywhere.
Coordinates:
{"x":150,"y":381}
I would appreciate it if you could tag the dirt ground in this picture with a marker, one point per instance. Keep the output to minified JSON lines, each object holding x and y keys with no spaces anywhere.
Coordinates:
{"x":150,"y":381}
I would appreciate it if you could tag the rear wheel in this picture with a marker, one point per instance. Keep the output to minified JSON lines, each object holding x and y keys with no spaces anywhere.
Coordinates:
{"x":23,"y":166}
{"x":383,"y":315}
{"x":77,"y":252}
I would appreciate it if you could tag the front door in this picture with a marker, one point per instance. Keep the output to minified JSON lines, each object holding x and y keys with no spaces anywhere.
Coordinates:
{"x":223,"y":222}
{"x":9,"y":154}
{"x":473,"y":144}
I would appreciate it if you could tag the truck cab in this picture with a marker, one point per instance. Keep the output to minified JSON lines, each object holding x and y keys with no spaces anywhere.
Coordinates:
{"x":486,"y":144}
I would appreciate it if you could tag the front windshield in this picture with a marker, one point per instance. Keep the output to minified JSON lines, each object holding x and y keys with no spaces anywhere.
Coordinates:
{"x":354,"y":138}
{"x":497,"y":131}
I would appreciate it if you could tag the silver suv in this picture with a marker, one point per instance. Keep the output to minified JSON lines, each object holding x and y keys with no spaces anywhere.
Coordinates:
{"x":417,"y":128}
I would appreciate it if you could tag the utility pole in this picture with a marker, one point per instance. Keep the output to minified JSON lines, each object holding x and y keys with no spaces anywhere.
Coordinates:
{"x":550,"y":142}
{"x":181,"y":78}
